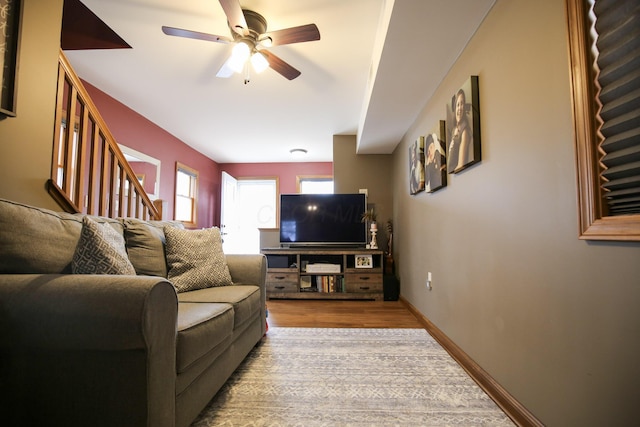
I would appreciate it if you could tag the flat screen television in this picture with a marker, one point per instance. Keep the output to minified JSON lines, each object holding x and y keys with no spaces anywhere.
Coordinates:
{"x":322,"y":220}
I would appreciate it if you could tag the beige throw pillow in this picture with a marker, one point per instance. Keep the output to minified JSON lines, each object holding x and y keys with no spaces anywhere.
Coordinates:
{"x":195,"y":259}
{"x":100,"y":250}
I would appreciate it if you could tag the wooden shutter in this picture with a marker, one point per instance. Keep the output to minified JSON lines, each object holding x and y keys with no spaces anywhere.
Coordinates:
{"x":604,"y":46}
{"x":617,"y":24}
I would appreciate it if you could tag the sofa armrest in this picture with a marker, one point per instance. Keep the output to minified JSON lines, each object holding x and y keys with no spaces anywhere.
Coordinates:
{"x":87,"y":349}
{"x":248,"y":269}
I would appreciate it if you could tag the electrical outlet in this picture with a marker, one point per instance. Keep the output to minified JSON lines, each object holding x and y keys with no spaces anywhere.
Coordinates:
{"x":429,"y":287}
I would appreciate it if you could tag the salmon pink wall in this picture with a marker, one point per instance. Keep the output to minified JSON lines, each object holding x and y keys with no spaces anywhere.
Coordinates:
{"x":148,"y":170}
{"x":135,"y":131}
{"x":286,"y":172}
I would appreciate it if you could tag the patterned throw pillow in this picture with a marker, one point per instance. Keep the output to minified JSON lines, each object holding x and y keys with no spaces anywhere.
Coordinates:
{"x":100,"y":250}
{"x":195,"y":259}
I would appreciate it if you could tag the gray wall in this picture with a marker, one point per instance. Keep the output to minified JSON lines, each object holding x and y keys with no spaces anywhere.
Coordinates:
{"x":552,"y":318}
{"x":26,"y":140}
{"x":351,"y":172}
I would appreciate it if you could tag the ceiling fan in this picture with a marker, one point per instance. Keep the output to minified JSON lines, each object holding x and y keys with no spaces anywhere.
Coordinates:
{"x":249,"y":33}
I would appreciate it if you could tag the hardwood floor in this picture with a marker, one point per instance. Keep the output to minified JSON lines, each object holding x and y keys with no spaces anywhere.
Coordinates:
{"x":340,"y":314}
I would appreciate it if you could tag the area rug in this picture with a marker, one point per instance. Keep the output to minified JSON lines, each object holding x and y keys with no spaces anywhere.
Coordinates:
{"x":350,"y":377}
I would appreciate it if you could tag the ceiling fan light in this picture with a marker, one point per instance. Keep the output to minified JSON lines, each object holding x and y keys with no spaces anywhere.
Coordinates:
{"x":259,"y":62}
{"x":241,"y":51}
{"x":239,"y":56}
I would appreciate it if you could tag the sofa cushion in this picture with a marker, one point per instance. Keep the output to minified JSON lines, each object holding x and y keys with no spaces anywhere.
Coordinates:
{"x":201,"y":328}
{"x":36,"y":240}
{"x":245,"y":300}
{"x":100,"y":250}
{"x":195,"y":259}
{"x":145,"y":245}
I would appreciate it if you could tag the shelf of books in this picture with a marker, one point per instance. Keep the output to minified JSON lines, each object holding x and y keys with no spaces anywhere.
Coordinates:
{"x":322,"y":283}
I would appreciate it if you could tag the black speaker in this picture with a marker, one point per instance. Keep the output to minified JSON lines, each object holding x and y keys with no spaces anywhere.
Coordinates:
{"x":391,"y":287}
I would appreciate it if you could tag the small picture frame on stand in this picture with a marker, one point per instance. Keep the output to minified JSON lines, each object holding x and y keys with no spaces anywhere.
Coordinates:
{"x":364,"y":261}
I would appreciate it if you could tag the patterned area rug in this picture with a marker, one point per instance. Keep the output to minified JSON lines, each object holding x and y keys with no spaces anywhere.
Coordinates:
{"x":350,"y":377}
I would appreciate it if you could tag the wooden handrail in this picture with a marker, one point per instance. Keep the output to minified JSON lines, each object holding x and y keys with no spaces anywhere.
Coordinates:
{"x":89,"y":173}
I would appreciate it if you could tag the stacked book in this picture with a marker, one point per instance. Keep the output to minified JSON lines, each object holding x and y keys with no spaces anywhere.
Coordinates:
{"x":330,"y":284}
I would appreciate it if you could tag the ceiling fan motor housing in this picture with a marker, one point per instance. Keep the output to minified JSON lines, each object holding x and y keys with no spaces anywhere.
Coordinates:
{"x":257,"y":26}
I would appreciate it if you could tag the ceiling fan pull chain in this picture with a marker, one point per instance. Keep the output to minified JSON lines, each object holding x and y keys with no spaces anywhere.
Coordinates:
{"x":247,"y":76}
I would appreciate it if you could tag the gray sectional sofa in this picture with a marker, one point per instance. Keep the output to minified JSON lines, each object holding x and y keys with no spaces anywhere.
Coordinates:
{"x":115,"y":349}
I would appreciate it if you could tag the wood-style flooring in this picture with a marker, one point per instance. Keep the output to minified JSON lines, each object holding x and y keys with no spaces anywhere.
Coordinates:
{"x":340,"y":314}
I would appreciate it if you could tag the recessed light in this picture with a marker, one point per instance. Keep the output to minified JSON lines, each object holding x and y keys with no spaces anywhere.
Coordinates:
{"x":298,"y":151}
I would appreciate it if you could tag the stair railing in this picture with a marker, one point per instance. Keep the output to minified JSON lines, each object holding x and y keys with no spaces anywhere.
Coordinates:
{"x":89,"y":173}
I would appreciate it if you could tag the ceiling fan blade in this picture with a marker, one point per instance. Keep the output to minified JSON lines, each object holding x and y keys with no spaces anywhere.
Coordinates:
{"x":236,"y":19}
{"x":179,"y":32}
{"x":225,"y":71}
{"x":303,"y":33}
{"x":280,"y":66}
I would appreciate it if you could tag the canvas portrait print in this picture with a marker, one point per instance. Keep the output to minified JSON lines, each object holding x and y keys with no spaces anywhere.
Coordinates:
{"x":463,"y":127}
{"x":416,"y":166}
{"x":435,"y":169}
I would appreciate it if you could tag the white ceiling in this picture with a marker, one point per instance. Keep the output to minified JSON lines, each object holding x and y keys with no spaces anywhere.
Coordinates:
{"x":371,"y":73}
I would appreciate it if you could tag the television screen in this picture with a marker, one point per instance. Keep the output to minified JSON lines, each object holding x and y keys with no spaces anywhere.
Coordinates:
{"x":322,"y":219}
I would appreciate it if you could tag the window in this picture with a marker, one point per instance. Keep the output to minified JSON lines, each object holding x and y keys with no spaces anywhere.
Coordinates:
{"x":604,"y":41}
{"x":314,"y":184}
{"x":258,"y":197}
{"x":186,"y":194}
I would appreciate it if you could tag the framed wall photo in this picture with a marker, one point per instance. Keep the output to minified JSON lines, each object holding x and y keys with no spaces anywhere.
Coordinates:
{"x":416,"y":166}
{"x":364,"y":261}
{"x":463,"y":127}
{"x":10,"y":14}
{"x":435,"y":168}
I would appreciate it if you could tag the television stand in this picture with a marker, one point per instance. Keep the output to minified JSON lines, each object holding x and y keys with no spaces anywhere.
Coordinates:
{"x":324,"y":273}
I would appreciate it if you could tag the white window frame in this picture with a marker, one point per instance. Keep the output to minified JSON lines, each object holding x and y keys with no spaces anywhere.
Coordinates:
{"x":190,"y":219}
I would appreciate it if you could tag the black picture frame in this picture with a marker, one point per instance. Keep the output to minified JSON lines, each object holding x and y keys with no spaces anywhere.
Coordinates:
{"x":463,"y":127}
{"x":435,"y":164}
{"x":416,"y":166}
{"x":10,"y":23}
